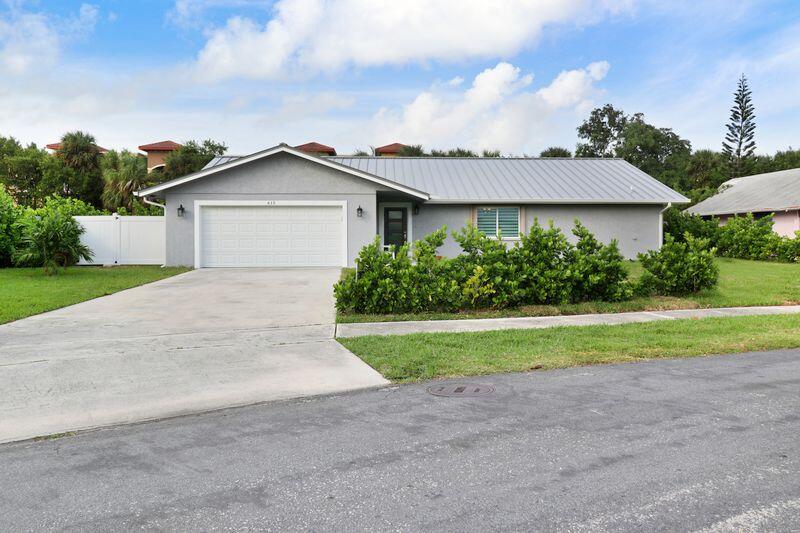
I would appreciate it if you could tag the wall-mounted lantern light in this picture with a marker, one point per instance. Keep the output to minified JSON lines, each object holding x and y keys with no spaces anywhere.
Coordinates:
{"x":181,"y":211}
{"x":359,"y":212}
{"x":416,"y":209}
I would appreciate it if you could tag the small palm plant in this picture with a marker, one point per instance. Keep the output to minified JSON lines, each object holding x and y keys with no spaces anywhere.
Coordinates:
{"x":51,"y":240}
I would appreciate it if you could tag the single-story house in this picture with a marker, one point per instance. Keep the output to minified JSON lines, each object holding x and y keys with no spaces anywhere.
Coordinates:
{"x":286,"y":207}
{"x":761,"y":194}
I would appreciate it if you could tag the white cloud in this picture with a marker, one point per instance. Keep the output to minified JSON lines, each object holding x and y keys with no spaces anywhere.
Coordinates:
{"x":312,"y":36}
{"x":31,"y":41}
{"x":498,"y":111}
{"x":455,"y":82}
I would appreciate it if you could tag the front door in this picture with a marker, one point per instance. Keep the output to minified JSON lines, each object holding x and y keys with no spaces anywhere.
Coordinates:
{"x":394,"y":225}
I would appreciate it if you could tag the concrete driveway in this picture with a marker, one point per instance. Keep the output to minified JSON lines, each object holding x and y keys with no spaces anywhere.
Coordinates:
{"x":199,"y":341}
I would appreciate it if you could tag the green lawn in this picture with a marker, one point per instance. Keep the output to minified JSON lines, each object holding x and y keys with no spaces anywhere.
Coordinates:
{"x":27,"y":291}
{"x":440,"y":355}
{"x":742,"y":283}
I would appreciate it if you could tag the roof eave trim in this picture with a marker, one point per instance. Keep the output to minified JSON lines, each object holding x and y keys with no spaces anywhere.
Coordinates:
{"x":272,"y":151}
{"x":560,"y":201}
{"x":742,"y":211}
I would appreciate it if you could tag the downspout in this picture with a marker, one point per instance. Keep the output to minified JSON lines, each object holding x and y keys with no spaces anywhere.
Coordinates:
{"x":661,"y":225}
{"x":150,"y":202}
{"x":164,"y":207}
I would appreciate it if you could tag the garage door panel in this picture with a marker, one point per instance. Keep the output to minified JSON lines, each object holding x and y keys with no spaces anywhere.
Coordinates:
{"x":271,"y":236}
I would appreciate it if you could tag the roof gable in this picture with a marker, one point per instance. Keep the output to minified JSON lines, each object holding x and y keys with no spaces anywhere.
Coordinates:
{"x":210,"y":170}
{"x":316,"y":148}
{"x":160,"y":146}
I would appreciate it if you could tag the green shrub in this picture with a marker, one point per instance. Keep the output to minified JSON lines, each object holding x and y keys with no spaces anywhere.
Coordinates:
{"x":9,"y":228}
{"x":598,"y":270}
{"x":678,"y":223}
{"x":50,"y":240}
{"x":679,"y":267}
{"x":68,"y":206}
{"x":786,"y":248}
{"x":543,"y":259}
{"x":747,"y":237}
{"x":433,"y":283}
{"x":497,"y":268}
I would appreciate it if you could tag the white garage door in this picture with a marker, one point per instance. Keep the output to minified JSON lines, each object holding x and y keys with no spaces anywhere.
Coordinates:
{"x":271,"y":236}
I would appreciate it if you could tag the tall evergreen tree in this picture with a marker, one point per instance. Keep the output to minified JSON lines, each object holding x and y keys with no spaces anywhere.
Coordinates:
{"x":739,"y":144}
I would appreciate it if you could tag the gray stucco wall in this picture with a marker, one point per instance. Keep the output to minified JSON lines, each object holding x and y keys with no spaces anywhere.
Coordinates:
{"x":280,"y":177}
{"x":432,"y":217}
{"x":636,"y":227}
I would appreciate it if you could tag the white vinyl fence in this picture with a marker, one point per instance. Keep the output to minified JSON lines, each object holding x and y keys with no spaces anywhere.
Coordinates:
{"x":124,"y":240}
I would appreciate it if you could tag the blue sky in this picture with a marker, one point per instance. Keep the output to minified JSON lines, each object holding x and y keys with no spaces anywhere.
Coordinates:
{"x":517,"y":75}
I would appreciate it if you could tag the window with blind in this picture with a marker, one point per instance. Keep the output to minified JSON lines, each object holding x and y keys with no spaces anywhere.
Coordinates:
{"x":503,"y":221}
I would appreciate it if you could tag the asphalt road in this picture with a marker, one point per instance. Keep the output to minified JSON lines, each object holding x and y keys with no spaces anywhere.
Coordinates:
{"x":671,"y":445}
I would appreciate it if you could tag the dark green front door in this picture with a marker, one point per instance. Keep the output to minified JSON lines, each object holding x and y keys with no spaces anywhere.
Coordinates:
{"x":394,"y":225}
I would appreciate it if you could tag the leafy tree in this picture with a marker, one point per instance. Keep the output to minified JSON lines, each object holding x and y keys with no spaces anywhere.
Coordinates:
{"x":191,"y":157}
{"x":23,"y":176}
{"x":51,"y":240}
{"x":706,"y":170}
{"x":414,"y":150}
{"x":453,"y":152}
{"x":361,"y":153}
{"x":555,"y":151}
{"x":8,"y":146}
{"x":58,"y":178}
{"x":659,"y":152}
{"x":80,"y":153}
{"x":490,"y":153}
{"x":9,"y":230}
{"x":601,"y":132}
{"x":782,"y":160}
{"x":785,"y":160}
{"x":123,"y":174}
{"x":739,"y":144}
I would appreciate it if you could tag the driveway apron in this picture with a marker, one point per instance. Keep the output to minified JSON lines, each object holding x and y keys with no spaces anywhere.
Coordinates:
{"x":200,"y":341}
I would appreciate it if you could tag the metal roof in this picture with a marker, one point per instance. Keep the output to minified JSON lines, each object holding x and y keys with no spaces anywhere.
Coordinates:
{"x":221,"y":160}
{"x":470,"y":179}
{"x":774,"y":191}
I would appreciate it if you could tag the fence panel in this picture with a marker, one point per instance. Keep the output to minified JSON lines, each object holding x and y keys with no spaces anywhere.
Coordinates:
{"x":124,"y":240}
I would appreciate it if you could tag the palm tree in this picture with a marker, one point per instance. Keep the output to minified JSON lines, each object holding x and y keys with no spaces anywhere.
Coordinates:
{"x":80,"y":153}
{"x":123,"y":174}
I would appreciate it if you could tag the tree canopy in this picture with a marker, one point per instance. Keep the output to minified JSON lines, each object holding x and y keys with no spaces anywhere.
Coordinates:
{"x":555,"y":151}
{"x":601,"y":132}
{"x":191,"y":157}
{"x":79,"y":153}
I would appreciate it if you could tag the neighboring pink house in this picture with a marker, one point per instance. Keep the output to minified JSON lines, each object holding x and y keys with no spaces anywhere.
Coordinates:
{"x":762,"y":194}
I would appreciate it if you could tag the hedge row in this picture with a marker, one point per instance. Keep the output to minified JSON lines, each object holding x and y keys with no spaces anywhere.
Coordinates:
{"x":742,"y":237}
{"x":543,"y":267}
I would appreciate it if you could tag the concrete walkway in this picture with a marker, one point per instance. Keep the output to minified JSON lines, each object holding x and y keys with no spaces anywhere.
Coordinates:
{"x":200,"y":341}
{"x":539,"y":322}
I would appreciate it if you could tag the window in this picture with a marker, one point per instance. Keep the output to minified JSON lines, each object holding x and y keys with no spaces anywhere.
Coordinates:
{"x":499,"y":220}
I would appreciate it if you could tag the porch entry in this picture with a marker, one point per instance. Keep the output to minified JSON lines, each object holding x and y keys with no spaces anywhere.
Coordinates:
{"x":395,"y":226}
